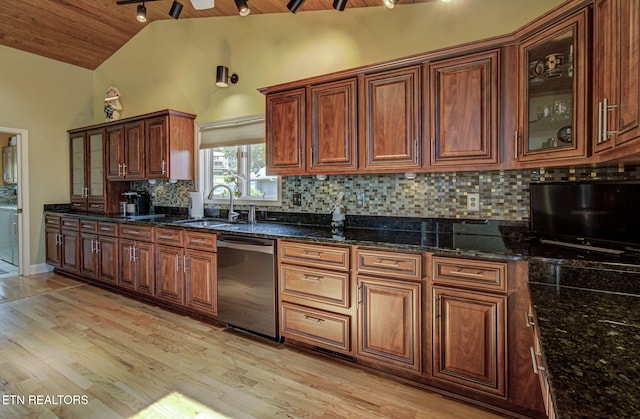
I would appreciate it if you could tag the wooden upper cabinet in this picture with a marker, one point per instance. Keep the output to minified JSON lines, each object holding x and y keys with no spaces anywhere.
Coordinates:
{"x":390,"y":120}
{"x":124,"y":151}
{"x":553,"y":86}
{"x":133,"y":168}
{"x":87,"y":170}
{"x":285,"y":126}
{"x":616,"y":104}
{"x":462,"y":110}
{"x":169,"y":148}
{"x":333,"y":127}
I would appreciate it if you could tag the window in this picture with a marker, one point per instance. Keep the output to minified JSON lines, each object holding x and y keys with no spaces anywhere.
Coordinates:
{"x":232,"y":153}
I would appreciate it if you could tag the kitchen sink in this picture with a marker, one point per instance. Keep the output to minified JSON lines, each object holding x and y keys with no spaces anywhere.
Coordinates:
{"x":204,"y":223}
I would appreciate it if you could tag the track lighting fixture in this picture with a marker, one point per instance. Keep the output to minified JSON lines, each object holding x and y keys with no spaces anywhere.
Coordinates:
{"x":243,"y":9}
{"x":294,"y":5}
{"x":389,"y":4}
{"x":141,"y":13}
{"x":339,"y":5}
{"x":176,"y":8}
{"x":223,"y":78}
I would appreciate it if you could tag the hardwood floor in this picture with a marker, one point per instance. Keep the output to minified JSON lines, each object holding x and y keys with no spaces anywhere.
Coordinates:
{"x":72,"y":350}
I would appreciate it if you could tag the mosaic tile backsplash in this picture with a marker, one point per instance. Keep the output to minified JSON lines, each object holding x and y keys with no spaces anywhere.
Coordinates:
{"x":504,"y":195}
{"x":8,"y":194}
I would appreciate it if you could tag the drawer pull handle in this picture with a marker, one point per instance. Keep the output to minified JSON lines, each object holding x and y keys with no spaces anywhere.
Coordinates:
{"x":132,"y":232}
{"x":167,"y":237}
{"x":528,"y":318}
{"x":387,"y":262}
{"x":534,"y":360}
{"x":105,"y":229}
{"x":310,"y":278}
{"x":312,"y":253}
{"x":198,"y":241}
{"x":86,"y":226}
{"x":312,"y":319}
{"x":471,"y":274}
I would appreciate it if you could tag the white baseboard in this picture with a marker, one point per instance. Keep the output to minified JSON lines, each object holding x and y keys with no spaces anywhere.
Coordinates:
{"x":39,"y":269}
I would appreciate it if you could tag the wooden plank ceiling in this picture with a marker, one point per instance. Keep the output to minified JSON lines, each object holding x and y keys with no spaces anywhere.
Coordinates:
{"x":87,"y":32}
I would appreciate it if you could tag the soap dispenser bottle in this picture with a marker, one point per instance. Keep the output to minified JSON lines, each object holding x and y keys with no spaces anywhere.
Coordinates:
{"x":338,"y":214}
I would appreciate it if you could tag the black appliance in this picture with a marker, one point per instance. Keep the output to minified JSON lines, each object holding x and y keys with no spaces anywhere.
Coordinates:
{"x":604,"y":213}
{"x":137,"y":203}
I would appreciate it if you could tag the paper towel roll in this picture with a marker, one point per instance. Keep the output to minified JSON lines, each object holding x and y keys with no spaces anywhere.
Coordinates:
{"x":196,"y":205}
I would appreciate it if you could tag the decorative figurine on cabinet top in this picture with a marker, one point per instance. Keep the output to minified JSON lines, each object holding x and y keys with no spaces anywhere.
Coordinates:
{"x":338,"y":214}
{"x":112,"y":106}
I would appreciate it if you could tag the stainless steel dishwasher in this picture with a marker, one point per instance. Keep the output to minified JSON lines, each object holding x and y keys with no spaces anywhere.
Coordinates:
{"x":247,"y":285}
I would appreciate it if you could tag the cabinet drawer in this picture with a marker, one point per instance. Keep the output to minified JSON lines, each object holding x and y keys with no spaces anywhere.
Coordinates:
{"x":315,"y":255}
{"x":96,"y":207}
{"x":170,"y":236}
{"x":79,"y":205}
{"x":89,"y":226}
{"x":70,"y":223}
{"x":52,"y":221}
{"x":314,"y":284}
{"x":476,"y":274}
{"x":401,"y":265}
{"x":108,"y":229}
{"x":325,"y":329}
{"x":200,"y":241}
{"x":136,"y":232}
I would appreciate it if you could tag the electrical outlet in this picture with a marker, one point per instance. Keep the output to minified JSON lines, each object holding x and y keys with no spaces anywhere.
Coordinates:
{"x":473,"y":202}
{"x":297,"y":199}
{"x":359,"y":199}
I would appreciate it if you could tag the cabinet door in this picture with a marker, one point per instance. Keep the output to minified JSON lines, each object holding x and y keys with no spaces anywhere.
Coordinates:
{"x":616,"y":106}
{"x":553,"y":87}
{"x":143,"y":256}
{"x":71,"y":250}
{"x":157,"y":148}
{"x":333,"y":127}
{"x":134,"y":150}
{"x":469,"y":340}
{"x":285,"y":128}
{"x":463,"y":105}
{"x":89,"y":255}
{"x":127,"y":271}
{"x":95,"y":166}
{"x":200,"y":281}
{"x":79,"y":189}
{"x":108,"y":260}
{"x":170,"y":276}
{"x":114,"y":146}
{"x":53,"y":247}
{"x":391,"y":116}
{"x":389,"y":329}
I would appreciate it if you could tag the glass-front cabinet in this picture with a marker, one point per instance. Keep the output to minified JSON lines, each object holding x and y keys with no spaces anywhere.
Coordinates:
{"x":552,"y":120}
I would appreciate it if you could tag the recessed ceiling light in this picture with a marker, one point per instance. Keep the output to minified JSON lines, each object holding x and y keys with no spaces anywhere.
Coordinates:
{"x":203,"y":4}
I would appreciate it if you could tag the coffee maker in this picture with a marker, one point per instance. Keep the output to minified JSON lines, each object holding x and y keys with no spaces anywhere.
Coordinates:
{"x":135,"y":203}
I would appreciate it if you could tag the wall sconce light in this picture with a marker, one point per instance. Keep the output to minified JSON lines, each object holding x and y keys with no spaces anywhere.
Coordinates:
{"x":223,"y":78}
{"x":293,"y":5}
{"x":176,"y":8}
{"x":389,"y":4}
{"x":321,"y":177}
{"x":243,"y":9}
{"x":141,"y":13}
{"x":410,"y":175}
{"x":339,"y":5}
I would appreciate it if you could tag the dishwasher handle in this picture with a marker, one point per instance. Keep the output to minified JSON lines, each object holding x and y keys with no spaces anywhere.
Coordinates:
{"x":246,"y":243}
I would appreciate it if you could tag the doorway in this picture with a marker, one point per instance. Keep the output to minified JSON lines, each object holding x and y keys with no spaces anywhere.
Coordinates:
{"x":14,"y":203}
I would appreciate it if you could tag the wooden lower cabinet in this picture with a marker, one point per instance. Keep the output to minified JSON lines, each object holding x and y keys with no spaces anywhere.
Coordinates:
{"x":389,"y":325}
{"x":201,"y":291}
{"x":70,"y":250}
{"x":108,"y":260}
{"x":315,"y":295}
{"x":137,"y":270}
{"x":170,"y":273}
{"x":89,"y":261}
{"x":469,"y":346}
{"x":54,"y":251}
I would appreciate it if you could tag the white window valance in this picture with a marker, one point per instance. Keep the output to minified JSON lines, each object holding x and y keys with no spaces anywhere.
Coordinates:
{"x":247,"y":129}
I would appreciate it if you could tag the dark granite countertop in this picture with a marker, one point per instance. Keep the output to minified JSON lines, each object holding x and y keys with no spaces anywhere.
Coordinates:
{"x":586,"y":303}
{"x":589,"y":328}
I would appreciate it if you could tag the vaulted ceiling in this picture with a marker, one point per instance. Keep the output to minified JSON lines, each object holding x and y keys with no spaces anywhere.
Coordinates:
{"x":87,"y":32}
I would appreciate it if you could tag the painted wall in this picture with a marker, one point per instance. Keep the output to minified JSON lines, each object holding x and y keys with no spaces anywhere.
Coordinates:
{"x":171,"y":63}
{"x":46,"y":98}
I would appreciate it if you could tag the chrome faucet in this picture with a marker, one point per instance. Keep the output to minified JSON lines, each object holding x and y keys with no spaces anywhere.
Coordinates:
{"x":233,"y":216}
